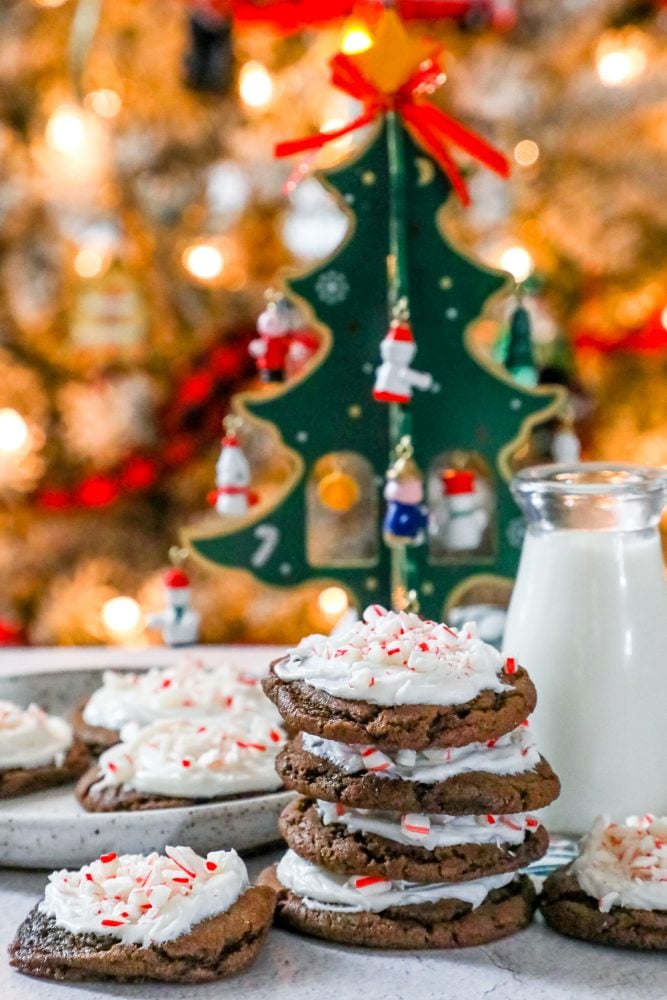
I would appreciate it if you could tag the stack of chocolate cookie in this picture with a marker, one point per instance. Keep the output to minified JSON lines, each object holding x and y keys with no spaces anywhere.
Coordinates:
{"x":418,"y":774}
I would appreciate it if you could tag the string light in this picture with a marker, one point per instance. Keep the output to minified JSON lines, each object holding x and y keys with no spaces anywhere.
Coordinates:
{"x":620,"y":58}
{"x":89,"y":262}
{"x":518,"y":262}
{"x":121,"y":616}
{"x":256,"y":85}
{"x":526,"y":152}
{"x":333,"y":601}
{"x":203,"y":261}
{"x":14,"y":433}
{"x":105,"y":103}
{"x":356,"y":38}
{"x":66,"y":130}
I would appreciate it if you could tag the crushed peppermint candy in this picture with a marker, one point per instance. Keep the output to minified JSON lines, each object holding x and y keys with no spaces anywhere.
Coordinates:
{"x":190,"y":688}
{"x":625,"y":864}
{"x":31,"y":738}
{"x":397,"y":658}
{"x":144,"y":899}
{"x":180,"y":757}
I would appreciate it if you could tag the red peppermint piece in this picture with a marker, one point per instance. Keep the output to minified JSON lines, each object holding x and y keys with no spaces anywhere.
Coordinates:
{"x":490,"y":743}
{"x":510,"y":665}
{"x":364,"y":881}
{"x":185,"y":762}
{"x":211,"y":866}
{"x":250,"y":746}
{"x":340,"y":810}
{"x":107,"y":922}
{"x":491,"y":820}
{"x":166,"y":683}
{"x":106,"y":858}
{"x":275,"y":736}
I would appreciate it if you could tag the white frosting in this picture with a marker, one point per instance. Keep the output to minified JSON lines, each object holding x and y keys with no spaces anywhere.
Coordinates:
{"x":31,"y":738}
{"x":510,"y":754}
{"x":431,"y":831}
{"x":141,"y":900}
{"x":195,"y":758}
{"x":188,"y":689}
{"x":395,"y":658}
{"x":324,"y":890}
{"x":625,"y":865}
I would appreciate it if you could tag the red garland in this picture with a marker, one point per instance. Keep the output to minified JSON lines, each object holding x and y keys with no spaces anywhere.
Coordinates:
{"x":432,"y":128}
{"x":647,"y":339}
{"x":188,"y":424}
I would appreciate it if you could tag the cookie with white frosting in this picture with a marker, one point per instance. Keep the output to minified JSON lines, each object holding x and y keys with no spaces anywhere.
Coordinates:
{"x":501,"y":776}
{"x":397,"y":681}
{"x":371,"y":911}
{"x":615,"y":892}
{"x":37,"y":750}
{"x":413,"y":847}
{"x":190,"y":689}
{"x":178,"y":762}
{"x":176,"y":918}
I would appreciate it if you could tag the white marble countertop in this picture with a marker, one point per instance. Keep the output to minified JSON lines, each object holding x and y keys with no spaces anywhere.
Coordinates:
{"x":533,"y":965}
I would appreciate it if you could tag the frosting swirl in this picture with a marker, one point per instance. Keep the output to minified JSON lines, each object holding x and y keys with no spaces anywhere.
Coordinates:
{"x":510,"y":754}
{"x":195,"y":758}
{"x":31,"y":738}
{"x":145,"y":900}
{"x":189,"y":689}
{"x":396,"y":658}
{"x":324,"y":890}
{"x":430,"y":831}
{"x":625,"y":865}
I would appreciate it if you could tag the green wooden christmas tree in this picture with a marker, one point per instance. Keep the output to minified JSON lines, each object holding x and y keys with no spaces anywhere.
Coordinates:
{"x":396,"y":262}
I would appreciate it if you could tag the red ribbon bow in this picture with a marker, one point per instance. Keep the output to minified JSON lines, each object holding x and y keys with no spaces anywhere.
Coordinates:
{"x":431,"y":127}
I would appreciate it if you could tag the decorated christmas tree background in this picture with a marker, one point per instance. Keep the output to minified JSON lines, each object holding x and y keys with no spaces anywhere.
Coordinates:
{"x":474,"y":413}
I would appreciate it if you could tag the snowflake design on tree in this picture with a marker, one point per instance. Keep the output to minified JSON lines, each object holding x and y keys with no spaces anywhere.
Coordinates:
{"x":332,"y":287}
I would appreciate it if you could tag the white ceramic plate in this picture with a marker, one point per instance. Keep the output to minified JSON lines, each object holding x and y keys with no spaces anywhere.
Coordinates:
{"x":51,"y":830}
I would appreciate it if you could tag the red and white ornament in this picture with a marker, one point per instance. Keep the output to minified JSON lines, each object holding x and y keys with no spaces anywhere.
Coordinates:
{"x":232,"y":496}
{"x":178,"y":621}
{"x":395,"y":379}
{"x":466,"y":517}
{"x":275,"y":326}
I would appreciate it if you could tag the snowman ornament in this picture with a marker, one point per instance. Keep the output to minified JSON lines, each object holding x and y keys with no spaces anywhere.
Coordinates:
{"x":232,"y":496}
{"x":466,"y":518}
{"x":395,"y":379}
{"x":178,"y":621}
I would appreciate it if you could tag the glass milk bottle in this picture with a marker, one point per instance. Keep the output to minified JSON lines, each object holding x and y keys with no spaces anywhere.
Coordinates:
{"x":588,"y":620}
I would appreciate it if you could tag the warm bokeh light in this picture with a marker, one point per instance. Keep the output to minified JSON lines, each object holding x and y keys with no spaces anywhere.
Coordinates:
{"x":88,"y":262}
{"x":105,"y":102}
{"x":121,"y":616}
{"x":526,"y":152}
{"x":256,"y":85}
{"x":203,"y":261}
{"x":518,"y":262}
{"x":14,"y":432}
{"x":356,"y":38}
{"x":620,"y":58}
{"x":66,"y":130}
{"x":333,"y":601}
{"x":49,"y":3}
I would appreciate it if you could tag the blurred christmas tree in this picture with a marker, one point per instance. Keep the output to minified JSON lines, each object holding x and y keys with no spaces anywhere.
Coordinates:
{"x":142,"y":215}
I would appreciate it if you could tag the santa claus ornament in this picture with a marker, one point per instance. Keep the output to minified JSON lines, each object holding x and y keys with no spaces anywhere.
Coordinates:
{"x":232,"y":496}
{"x":466,"y":516}
{"x":395,"y":379}
{"x":178,"y":621}
{"x":275,"y":327}
{"x":406,"y":517}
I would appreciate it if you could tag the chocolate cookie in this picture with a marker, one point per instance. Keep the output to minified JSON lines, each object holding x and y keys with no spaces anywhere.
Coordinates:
{"x":24,"y":780}
{"x":117,"y":798}
{"x":448,"y":923}
{"x":411,"y":727}
{"x":219,"y":946}
{"x":335,"y":848}
{"x":97,"y":738}
{"x":468,"y":794}
{"x":568,"y":909}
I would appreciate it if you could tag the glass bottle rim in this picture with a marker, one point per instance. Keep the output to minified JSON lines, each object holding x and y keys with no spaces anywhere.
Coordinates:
{"x":590,"y":479}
